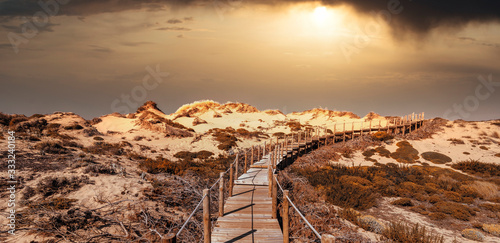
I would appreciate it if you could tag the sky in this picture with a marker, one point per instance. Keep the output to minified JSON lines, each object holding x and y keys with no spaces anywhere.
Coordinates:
{"x":388,"y":56}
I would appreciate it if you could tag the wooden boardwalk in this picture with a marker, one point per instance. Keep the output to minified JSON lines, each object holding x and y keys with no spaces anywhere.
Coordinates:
{"x":248,"y":213}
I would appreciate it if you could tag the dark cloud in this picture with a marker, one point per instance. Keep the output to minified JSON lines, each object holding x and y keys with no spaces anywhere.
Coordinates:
{"x":174,"y":21}
{"x":417,"y":16}
{"x":100,"y":49}
{"x":5,"y":46}
{"x":174,"y":29}
{"x":140,"y":43}
{"x":479,"y":42}
{"x":18,"y":29}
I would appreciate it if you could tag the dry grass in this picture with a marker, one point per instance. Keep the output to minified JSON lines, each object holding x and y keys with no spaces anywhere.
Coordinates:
{"x":493,"y":229}
{"x":473,"y":234}
{"x":456,"y":141}
{"x":51,"y":147}
{"x":476,"y":167}
{"x":405,"y":153}
{"x":405,"y":202}
{"x":410,"y":233}
{"x":381,"y":136}
{"x":436,"y":157}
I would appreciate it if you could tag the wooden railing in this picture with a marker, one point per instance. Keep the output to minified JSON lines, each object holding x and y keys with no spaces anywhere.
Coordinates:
{"x":293,"y":144}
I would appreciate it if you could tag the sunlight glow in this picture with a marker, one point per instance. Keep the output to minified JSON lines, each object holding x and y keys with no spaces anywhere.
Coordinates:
{"x":320,"y":14}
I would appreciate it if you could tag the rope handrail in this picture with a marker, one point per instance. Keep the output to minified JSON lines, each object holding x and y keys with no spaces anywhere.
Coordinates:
{"x":190,"y":216}
{"x":246,"y":150}
{"x":298,"y":211}
{"x":201,"y":201}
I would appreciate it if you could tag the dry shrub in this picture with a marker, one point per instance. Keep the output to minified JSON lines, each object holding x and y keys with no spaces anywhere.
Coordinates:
{"x":382,"y":151}
{"x":408,"y":233}
{"x":226,"y":138}
{"x":473,"y":234}
{"x":405,"y":153}
{"x":247,"y":134}
{"x":434,"y":199}
{"x":475,"y":167}
{"x":186,"y":155}
{"x":495,"y":135}
{"x":370,"y":223}
{"x":438,"y":216}
{"x":483,"y":147}
{"x":53,"y":185}
{"x":103,"y":148}
{"x":73,"y":127}
{"x":347,"y":152}
{"x":99,"y":169}
{"x":453,"y":196}
{"x":497,"y":155}
{"x":57,"y":203}
{"x":429,"y":128}
{"x":484,"y":189}
{"x":279,"y":135}
{"x":490,"y":206}
{"x":456,"y":210}
{"x":51,"y":147}
{"x":207,"y":169}
{"x":493,"y":229}
{"x":436,"y":157}
{"x":405,"y":202}
{"x":369,"y":153}
{"x":381,"y":136}
{"x":294,"y":125}
{"x":349,"y":214}
{"x":456,"y":141}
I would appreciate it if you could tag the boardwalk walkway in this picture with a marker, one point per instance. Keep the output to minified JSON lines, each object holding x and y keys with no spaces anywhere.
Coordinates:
{"x":248,"y":213}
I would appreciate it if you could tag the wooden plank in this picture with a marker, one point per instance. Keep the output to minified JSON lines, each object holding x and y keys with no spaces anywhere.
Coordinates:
{"x":248,"y":213}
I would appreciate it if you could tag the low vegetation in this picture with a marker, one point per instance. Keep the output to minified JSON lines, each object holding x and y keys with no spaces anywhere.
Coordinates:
{"x":475,"y":167}
{"x":405,"y":153}
{"x":435,"y":157}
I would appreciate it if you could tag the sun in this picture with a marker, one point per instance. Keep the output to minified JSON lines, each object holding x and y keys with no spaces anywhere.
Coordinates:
{"x":320,"y":14}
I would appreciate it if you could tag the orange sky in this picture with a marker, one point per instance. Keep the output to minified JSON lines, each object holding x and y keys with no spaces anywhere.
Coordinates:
{"x":289,"y":57}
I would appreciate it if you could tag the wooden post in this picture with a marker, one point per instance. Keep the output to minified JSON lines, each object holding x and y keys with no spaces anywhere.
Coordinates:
{"x":231,"y":180}
{"x":246,"y":162}
{"x":344,"y":132}
{"x":362,"y":128}
{"x":258,"y":153}
{"x":352,"y":135}
{"x":221,"y":195}
{"x":170,"y":238}
{"x":251,"y":160}
{"x":334,"y":132}
{"x":270,"y":179}
{"x":281,"y":152}
{"x":370,"y":126}
{"x":207,"y":225}
{"x":298,"y":139}
{"x":379,"y":125}
{"x":273,"y":157}
{"x":286,"y":146}
{"x":275,"y":197}
{"x":264,"y":150}
{"x":286,"y":219}
{"x":236,"y":167}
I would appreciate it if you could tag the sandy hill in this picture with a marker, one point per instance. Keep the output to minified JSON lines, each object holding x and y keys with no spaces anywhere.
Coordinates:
{"x":97,"y":180}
